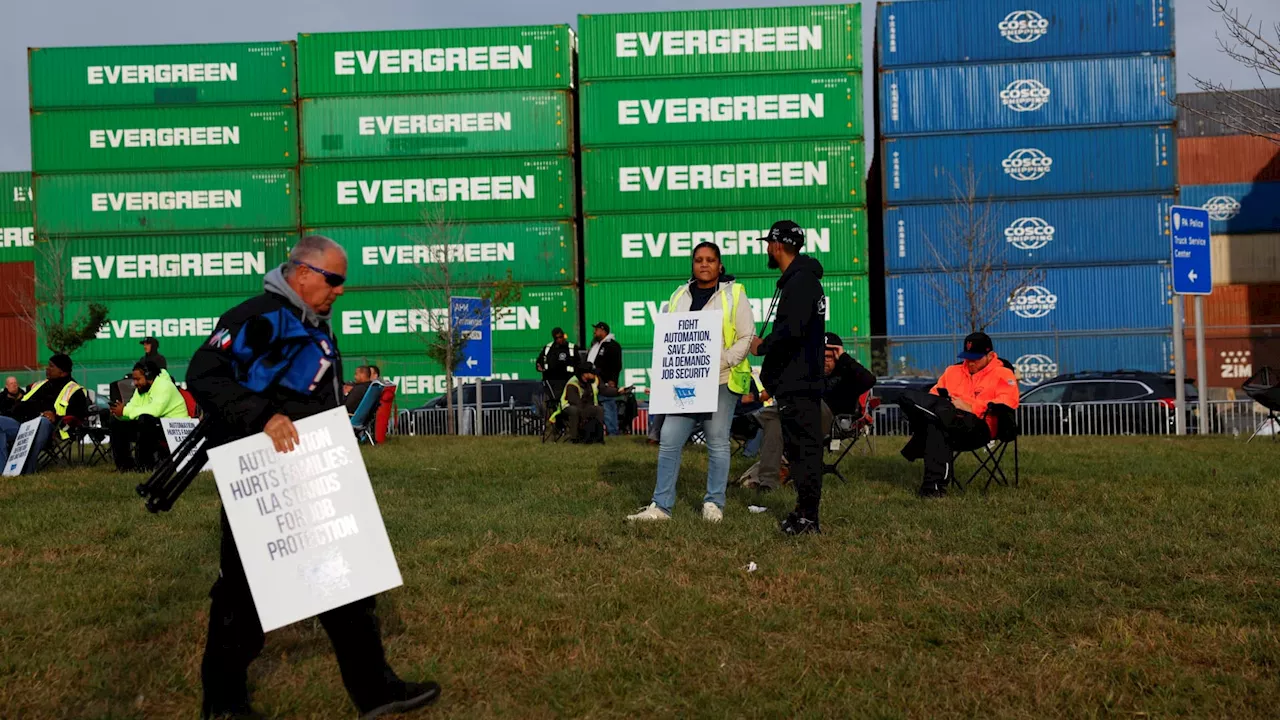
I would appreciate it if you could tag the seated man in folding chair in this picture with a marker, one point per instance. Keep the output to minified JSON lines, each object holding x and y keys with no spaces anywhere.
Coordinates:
{"x":52,"y":400}
{"x":953,"y":417}
{"x":845,"y":382}
{"x":579,"y":411}
{"x":155,"y":396}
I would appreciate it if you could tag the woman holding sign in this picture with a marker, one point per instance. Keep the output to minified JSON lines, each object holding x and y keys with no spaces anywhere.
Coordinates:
{"x":710,"y":291}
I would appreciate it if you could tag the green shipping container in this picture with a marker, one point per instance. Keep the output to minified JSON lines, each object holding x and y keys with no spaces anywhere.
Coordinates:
{"x":527,"y":122}
{"x":419,"y":378}
{"x":173,"y":202}
{"x":629,"y":307}
{"x":165,"y":266}
{"x":389,"y":256}
{"x":441,"y":191}
{"x":716,"y":42}
{"x":117,"y":76}
{"x":15,"y":194}
{"x":173,"y":138}
{"x":395,"y":321}
{"x":722,"y":177}
{"x":653,"y":247}
{"x":435,"y":61}
{"x":722,"y":109}
{"x":179,"y":324}
{"x":17,"y":237}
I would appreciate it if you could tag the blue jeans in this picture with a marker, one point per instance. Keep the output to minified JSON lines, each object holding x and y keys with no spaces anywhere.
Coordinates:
{"x":610,"y":405}
{"x":676,"y":430}
{"x":9,"y":434}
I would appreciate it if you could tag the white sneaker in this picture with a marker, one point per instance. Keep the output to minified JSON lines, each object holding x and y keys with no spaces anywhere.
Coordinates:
{"x":711,"y":513}
{"x":650,"y":514}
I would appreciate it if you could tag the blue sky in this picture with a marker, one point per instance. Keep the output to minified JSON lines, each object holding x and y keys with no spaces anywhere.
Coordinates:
{"x":50,"y":23}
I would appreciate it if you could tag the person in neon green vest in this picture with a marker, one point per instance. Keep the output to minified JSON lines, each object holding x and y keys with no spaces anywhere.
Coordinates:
{"x":710,"y":290}
{"x":155,"y":396}
{"x":56,"y":397}
{"x":580,"y":402}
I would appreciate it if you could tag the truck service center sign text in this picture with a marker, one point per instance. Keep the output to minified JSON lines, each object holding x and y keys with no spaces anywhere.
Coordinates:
{"x":306,"y":523}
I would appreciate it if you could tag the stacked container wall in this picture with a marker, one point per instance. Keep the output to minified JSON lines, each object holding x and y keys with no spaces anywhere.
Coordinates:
{"x":1237,"y":207}
{"x":1228,"y":159}
{"x":419,"y":379}
{"x":939,"y":32}
{"x":1239,"y":259}
{"x":17,"y":236}
{"x":1070,"y":299}
{"x":1194,"y":107}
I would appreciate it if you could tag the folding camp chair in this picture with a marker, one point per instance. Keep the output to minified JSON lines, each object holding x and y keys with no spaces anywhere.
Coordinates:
{"x":363,"y":418}
{"x":991,"y":455}
{"x":854,"y":428}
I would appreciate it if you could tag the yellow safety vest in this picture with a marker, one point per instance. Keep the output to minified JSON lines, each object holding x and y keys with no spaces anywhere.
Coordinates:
{"x":61,"y":402}
{"x":740,"y":374}
{"x":564,"y":396}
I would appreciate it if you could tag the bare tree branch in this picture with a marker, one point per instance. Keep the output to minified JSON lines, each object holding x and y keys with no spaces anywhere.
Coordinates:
{"x":49,"y":315}
{"x":1246,"y":111}
{"x":971,"y":279}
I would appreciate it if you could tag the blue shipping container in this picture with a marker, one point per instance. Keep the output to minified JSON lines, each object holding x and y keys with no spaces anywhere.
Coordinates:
{"x":954,"y":98}
{"x":1238,"y":207}
{"x":1070,"y":299}
{"x":1037,"y":358}
{"x":944,"y":168}
{"x":938,"y":32}
{"x":1068,"y":231}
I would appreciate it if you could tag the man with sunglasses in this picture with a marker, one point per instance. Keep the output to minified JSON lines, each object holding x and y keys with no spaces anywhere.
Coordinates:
{"x":236,"y":377}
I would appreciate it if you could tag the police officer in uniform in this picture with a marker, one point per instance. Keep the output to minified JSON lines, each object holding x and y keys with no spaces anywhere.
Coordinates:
{"x":270,"y":361}
{"x":557,"y":362}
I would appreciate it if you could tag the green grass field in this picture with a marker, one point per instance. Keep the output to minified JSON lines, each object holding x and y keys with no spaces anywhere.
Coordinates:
{"x":1127,"y":577}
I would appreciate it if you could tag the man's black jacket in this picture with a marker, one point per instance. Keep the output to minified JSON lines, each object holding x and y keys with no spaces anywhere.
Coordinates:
{"x":846,"y":383}
{"x":609,"y":362}
{"x":232,"y":410}
{"x":795,"y":347}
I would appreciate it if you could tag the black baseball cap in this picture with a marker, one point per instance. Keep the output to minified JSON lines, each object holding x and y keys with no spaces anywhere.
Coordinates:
{"x":602,"y":326}
{"x":787,"y":233}
{"x":976,"y":346}
{"x":834,"y":339}
{"x":557,"y":332}
{"x":151,"y":340}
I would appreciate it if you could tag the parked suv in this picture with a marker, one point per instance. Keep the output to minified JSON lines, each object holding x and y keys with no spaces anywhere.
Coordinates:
{"x":1124,"y":402}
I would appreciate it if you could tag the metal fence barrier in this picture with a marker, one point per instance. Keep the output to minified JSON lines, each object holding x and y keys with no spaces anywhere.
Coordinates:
{"x":1226,"y":417}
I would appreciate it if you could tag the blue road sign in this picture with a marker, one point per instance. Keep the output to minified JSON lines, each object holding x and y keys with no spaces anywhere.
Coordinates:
{"x":472,"y":318}
{"x":1192,"y":261}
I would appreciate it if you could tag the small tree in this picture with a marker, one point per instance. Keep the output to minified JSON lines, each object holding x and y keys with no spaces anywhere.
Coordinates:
{"x":1257,"y":47}
{"x":64,"y":331}
{"x":972,"y":255}
{"x":436,"y":283}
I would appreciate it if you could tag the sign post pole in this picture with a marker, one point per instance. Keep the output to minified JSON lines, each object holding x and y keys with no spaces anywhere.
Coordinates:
{"x":1202,"y":379}
{"x":1192,"y":275}
{"x":474,"y":320}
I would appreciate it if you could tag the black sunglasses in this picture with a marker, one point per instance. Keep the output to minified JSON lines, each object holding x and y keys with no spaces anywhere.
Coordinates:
{"x":333,"y":279}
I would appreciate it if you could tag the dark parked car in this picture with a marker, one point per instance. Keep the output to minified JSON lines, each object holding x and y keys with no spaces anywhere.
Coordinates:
{"x":1123,"y":402}
{"x":495,"y":394}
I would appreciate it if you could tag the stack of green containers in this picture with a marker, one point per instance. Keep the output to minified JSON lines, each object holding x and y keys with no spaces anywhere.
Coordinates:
{"x":419,"y":145}
{"x":17,"y":336}
{"x":710,"y":126}
{"x":166,"y":187}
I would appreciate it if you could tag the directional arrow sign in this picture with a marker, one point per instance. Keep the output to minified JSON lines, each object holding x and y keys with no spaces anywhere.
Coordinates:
{"x":473,"y":320}
{"x":1192,"y":260}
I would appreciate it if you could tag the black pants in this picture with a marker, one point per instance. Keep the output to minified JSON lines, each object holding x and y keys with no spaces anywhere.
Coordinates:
{"x":938,"y":431}
{"x":236,"y":638}
{"x":802,"y":442}
{"x":147,"y":436}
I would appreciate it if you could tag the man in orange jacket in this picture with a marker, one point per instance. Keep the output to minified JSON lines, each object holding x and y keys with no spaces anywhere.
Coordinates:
{"x":953,"y":416}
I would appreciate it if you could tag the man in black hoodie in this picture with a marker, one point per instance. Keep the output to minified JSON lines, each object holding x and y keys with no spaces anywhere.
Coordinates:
{"x":793,"y":367}
{"x":270,"y":361}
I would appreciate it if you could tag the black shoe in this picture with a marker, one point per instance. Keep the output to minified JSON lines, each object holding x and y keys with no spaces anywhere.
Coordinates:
{"x":796,"y":525}
{"x":238,"y":712}
{"x":403,"y":698}
{"x":932,"y":491}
